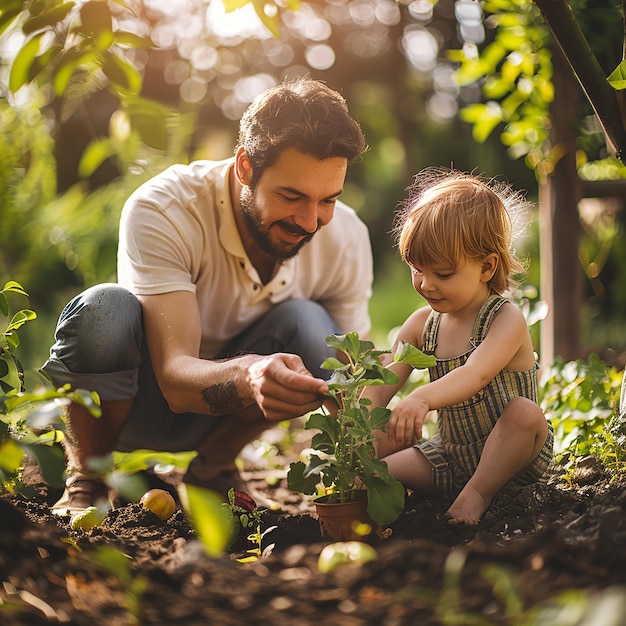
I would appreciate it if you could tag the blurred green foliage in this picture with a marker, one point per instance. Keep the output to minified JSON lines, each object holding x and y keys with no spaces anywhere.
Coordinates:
{"x":515,"y":72}
{"x":30,"y":421}
{"x":97,"y":96}
{"x":581,"y":400}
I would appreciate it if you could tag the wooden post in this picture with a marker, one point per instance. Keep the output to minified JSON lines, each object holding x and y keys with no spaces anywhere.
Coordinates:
{"x":559,"y":227}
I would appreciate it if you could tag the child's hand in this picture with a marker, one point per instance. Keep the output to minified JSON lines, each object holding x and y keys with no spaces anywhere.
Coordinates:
{"x":405,"y":425}
{"x":407,"y":420}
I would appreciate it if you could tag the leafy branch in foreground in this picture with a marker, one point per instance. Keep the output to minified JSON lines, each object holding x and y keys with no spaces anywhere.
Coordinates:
{"x":30,"y":422}
{"x":9,"y":362}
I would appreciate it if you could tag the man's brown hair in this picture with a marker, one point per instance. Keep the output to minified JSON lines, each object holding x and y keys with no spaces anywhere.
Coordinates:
{"x":304,"y":114}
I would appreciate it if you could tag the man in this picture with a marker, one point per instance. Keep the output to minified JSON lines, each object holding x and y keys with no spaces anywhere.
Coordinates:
{"x":230,"y":276}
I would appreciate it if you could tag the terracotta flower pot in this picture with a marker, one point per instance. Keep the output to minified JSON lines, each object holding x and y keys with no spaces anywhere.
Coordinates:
{"x":343,"y":521}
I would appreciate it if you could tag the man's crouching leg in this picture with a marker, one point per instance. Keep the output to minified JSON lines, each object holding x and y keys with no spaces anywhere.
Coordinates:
{"x":97,"y":348}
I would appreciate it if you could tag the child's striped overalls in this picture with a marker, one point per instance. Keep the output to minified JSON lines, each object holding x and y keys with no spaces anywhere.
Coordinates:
{"x":455,"y":448}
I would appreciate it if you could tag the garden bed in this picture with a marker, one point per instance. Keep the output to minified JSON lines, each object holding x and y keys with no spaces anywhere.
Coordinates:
{"x":563,"y":537}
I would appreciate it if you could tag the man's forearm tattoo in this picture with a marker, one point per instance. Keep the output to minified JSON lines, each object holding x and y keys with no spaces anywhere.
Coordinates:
{"x":222,"y":398}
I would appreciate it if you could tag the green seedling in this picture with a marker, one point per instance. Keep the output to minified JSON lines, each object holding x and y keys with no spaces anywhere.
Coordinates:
{"x":244,"y":509}
{"x":342,"y":457}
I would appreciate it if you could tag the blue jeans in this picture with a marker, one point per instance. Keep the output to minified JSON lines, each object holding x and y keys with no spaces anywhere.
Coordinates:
{"x":99,"y":346}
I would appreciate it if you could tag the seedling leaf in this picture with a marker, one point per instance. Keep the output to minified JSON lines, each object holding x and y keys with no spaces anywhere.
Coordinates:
{"x":408,"y":353}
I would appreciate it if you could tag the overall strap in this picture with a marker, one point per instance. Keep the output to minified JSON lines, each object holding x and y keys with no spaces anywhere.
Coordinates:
{"x":429,"y":335}
{"x":485,"y":316}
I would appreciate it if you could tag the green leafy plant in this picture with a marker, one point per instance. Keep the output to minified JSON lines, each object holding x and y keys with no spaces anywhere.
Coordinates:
{"x":11,"y":370}
{"x":581,"y":398}
{"x":343,"y":457}
{"x":205,"y":510}
{"x":30,"y":422}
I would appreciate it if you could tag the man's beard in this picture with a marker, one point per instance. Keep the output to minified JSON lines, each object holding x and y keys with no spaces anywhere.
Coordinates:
{"x":261,"y":233}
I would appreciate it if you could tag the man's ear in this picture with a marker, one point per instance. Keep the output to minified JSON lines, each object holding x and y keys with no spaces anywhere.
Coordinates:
{"x":489,"y":267}
{"x":243,"y":167}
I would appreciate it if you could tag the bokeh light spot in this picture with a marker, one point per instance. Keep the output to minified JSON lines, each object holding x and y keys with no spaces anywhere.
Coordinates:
{"x":320,"y":57}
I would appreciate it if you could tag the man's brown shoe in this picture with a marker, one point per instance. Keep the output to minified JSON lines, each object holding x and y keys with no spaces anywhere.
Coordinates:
{"x":82,"y":490}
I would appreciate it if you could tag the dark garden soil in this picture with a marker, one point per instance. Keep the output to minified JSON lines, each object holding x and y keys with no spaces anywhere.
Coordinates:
{"x":525,"y":553}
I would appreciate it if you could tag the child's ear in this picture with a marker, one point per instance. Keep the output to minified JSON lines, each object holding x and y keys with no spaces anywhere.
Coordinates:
{"x":489,"y":267}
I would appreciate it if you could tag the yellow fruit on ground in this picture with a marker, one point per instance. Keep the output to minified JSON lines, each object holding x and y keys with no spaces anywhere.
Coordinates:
{"x":87,"y":519}
{"x":160,"y":502}
{"x":341,"y":553}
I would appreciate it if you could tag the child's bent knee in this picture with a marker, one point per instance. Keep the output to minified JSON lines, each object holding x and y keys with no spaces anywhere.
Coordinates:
{"x":525,"y":413}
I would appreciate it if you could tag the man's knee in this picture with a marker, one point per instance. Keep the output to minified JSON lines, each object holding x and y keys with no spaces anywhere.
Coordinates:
{"x":304,"y":325}
{"x":100,"y":330}
{"x":296,"y":326}
{"x":303,"y":318}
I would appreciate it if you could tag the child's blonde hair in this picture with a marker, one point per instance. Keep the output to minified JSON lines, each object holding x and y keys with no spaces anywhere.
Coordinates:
{"x":449,"y":215}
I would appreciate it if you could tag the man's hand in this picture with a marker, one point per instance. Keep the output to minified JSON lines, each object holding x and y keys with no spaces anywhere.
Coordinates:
{"x":407,"y":419}
{"x":283,"y":388}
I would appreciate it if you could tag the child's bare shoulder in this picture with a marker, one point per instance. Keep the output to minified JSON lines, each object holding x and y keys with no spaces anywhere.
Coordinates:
{"x":413,"y":328}
{"x":509,"y":311}
{"x":509,"y":320}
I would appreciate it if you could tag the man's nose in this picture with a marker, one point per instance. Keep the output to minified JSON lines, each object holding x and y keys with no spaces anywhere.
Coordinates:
{"x":313,"y":216}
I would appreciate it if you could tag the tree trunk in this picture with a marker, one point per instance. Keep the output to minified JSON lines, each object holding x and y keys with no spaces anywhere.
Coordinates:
{"x":561,"y":273}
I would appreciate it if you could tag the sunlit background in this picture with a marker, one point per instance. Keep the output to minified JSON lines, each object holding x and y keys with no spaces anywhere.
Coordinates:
{"x":396,"y":63}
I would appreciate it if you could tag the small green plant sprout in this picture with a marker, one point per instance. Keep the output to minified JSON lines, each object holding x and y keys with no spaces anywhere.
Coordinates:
{"x":342,"y":456}
{"x":244,"y":509}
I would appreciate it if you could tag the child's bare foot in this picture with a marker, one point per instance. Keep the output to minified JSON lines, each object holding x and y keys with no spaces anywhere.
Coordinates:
{"x":467,"y":508}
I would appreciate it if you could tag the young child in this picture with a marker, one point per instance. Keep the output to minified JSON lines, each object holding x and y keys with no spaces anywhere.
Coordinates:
{"x":454,"y":231}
